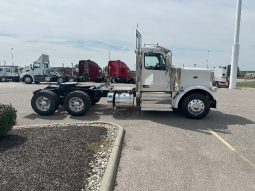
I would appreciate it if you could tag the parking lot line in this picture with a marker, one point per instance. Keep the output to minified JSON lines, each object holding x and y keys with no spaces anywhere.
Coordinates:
{"x":232,"y":148}
{"x":222,"y":140}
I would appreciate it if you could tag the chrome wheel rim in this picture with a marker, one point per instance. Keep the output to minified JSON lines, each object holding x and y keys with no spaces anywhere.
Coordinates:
{"x":27,"y":80}
{"x":76,"y":104}
{"x":60,"y":80}
{"x":196,"y":106}
{"x":43,"y":103}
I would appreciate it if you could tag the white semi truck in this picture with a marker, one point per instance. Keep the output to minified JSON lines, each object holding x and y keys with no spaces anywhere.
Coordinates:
{"x":160,"y":86}
{"x":39,"y":71}
{"x":220,"y":77}
{"x":9,"y":73}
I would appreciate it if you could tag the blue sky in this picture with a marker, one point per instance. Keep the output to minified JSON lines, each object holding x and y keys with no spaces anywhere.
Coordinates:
{"x":70,"y":30}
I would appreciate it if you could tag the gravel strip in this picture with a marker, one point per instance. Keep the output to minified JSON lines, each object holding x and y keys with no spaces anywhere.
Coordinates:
{"x":62,"y":157}
{"x":101,"y":158}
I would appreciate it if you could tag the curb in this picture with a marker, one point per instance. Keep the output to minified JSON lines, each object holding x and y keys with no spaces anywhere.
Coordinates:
{"x":108,"y":180}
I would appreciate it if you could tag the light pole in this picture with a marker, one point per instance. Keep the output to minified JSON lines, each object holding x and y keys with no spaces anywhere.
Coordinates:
{"x":236,"y":47}
{"x":207,"y":60}
{"x":12,"y":56}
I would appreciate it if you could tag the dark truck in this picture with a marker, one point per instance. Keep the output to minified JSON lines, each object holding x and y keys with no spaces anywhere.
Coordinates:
{"x":89,"y":71}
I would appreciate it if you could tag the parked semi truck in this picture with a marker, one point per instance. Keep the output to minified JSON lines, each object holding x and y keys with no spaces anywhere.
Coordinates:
{"x":86,"y":70}
{"x":40,"y":71}
{"x":160,"y":86}
{"x":119,"y":72}
{"x":220,"y":77}
{"x":89,"y":71}
{"x":9,"y":73}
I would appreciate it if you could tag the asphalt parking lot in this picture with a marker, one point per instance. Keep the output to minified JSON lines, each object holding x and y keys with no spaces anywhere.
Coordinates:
{"x":165,"y":151}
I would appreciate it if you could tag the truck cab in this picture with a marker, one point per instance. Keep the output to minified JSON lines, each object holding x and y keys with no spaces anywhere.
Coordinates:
{"x":38,"y":72}
{"x":119,"y":72}
{"x":162,"y":86}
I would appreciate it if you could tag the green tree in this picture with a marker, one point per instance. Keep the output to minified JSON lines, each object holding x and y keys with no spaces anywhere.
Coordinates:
{"x":229,"y":69}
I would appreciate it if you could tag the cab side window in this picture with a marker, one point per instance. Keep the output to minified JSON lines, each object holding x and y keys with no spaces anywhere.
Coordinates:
{"x":36,"y":65}
{"x":154,"y":62}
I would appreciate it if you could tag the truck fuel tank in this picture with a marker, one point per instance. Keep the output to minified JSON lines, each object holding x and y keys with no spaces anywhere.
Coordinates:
{"x":121,"y":96}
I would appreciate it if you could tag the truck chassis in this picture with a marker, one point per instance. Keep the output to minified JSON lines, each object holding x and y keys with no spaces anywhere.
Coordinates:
{"x":76,"y":99}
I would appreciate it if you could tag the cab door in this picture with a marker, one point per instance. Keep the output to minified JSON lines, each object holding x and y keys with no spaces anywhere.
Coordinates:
{"x":155,"y":77}
{"x":37,"y":68}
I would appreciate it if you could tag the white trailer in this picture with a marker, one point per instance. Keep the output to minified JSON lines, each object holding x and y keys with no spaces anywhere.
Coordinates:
{"x":8,"y":73}
{"x":160,"y":86}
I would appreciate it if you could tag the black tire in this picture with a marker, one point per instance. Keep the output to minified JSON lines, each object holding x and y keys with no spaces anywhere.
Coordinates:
{"x":82,"y":97}
{"x":195,"y":98}
{"x":60,"y":80}
{"x":50,"y":96}
{"x":28,"y":79}
{"x":2,"y":79}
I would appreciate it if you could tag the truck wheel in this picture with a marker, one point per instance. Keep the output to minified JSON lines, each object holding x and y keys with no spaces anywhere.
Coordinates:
{"x":195,"y":106}
{"x":2,"y":79}
{"x":77,"y":103}
{"x":71,"y":79}
{"x":45,"y":102}
{"x":60,"y":80}
{"x":28,"y":79}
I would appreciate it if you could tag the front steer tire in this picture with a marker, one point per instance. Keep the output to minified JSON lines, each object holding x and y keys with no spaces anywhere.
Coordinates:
{"x":27,"y":79}
{"x":77,"y":103}
{"x":51,"y":99}
{"x":195,"y":113}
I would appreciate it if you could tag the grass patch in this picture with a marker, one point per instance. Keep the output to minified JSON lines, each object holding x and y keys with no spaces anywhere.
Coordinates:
{"x":246,"y":84}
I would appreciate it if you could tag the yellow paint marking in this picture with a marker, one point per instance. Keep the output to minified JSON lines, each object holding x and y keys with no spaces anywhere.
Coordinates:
{"x":232,"y":148}
{"x":222,"y":140}
{"x":247,"y":160}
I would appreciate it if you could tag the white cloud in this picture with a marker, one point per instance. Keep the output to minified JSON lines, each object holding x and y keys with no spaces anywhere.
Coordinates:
{"x":71,"y":30}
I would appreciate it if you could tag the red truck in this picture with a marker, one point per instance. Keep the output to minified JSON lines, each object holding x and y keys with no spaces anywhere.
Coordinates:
{"x":119,"y":72}
{"x":89,"y":71}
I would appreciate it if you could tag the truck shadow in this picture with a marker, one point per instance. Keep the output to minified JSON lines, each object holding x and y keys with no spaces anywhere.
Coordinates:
{"x":60,"y":114}
{"x":216,"y":120}
{"x":56,"y":116}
